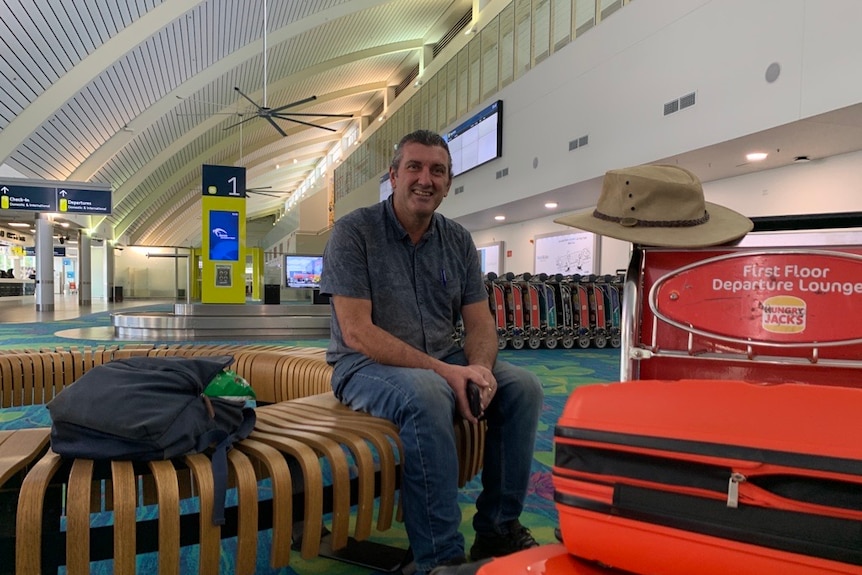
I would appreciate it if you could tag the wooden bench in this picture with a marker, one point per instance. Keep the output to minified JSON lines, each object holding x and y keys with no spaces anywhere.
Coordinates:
{"x":300,"y":423}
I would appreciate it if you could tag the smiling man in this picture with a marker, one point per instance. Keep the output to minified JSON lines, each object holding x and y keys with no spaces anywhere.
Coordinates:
{"x":400,"y":276}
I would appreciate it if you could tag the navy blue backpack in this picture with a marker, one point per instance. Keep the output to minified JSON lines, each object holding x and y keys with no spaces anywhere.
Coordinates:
{"x":150,"y":408}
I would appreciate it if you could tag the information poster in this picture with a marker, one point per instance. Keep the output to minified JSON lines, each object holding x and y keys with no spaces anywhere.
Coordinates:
{"x":491,"y":258}
{"x":566,"y":253}
{"x":223,"y":275}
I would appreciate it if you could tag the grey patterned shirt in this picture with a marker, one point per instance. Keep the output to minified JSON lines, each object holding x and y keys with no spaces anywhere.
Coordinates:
{"x":416,"y":292}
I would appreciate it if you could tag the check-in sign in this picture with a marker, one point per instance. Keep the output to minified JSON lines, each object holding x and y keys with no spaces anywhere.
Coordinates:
{"x":29,"y":198}
{"x":42,"y":198}
{"x":77,"y":201}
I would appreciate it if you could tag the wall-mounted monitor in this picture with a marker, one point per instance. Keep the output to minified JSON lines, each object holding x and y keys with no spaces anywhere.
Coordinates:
{"x":477,"y":140}
{"x":302,"y":270}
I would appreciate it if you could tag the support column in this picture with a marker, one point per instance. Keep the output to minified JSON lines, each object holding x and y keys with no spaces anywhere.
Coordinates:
{"x":44,"y":263}
{"x":109,"y":270}
{"x":85,"y":279}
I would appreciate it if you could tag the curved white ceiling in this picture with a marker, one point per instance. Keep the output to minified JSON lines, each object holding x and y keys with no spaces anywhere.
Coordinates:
{"x":139,"y":93}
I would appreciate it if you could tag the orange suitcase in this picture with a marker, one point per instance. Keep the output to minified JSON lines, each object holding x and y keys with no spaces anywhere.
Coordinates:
{"x":544,"y":560}
{"x":712,"y":477}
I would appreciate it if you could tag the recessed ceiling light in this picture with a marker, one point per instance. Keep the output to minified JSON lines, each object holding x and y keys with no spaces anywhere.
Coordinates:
{"x":499,"y":218}
{"x":551,"y":205}
{"x":756,"y":156}
{"x":19,"y":225}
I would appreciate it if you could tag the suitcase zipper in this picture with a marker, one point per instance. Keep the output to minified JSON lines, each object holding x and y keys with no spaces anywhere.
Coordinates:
{"x":733,"y":489}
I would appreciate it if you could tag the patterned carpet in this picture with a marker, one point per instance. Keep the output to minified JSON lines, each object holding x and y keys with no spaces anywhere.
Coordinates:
{"x":560,"y":371}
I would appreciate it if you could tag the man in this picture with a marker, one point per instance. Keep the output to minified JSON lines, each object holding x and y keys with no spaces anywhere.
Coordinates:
{"x":400,"y":275}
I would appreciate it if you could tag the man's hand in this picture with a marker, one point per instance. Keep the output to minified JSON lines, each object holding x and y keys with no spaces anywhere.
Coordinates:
{"x":457,"y":376}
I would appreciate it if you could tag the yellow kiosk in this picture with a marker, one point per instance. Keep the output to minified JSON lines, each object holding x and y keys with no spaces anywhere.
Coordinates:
{"x":223,"y":228}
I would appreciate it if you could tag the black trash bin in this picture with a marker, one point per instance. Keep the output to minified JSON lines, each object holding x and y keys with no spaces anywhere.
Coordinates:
{"x":117,"y":296}
{"x":272,"y":293}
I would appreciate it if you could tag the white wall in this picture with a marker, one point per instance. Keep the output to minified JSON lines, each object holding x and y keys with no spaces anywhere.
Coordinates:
{"x":149,"y":277}
{"x":820,"y":186}
{"x":612,"y":83}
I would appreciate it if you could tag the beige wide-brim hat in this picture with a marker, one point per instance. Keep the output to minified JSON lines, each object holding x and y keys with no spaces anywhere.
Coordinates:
{"x":659,"y":206}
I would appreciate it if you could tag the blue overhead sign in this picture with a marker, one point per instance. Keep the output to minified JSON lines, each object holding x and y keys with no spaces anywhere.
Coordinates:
{"x":47,"y":198}
{"x":225,"y":181}
{"x":29,"y":198}
{"x":77,"y":201}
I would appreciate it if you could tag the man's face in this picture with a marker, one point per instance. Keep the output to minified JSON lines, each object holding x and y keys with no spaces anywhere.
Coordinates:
{"x":421,"y":181}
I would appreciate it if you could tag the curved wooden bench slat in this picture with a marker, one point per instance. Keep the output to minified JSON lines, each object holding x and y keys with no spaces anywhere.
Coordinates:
{"x":28,"y":527}
{"x":169,"y":516}
{"x":78,"y":517}
{"x":243,"y":477}
{"x":340,"y":525}
{"x":124,"y":496}
{"x":210,"y":535}
{"x":363,"y":459}
{"x":312,"y":484}
{"x":282,"y":498}
{"x":381,"y":434}
{"x":20,"y":447}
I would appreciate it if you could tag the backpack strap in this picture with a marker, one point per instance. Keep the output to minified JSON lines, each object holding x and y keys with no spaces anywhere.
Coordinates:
{"x":223,"y":441}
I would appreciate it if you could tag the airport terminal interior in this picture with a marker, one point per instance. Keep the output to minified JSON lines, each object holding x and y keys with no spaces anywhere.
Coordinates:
{"x":170,"y":173}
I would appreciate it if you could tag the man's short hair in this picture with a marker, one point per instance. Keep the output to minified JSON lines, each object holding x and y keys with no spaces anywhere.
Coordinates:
{"x":424,"y":137}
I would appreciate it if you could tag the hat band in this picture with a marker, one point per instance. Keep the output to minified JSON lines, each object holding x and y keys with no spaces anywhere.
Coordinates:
{"x":636,"y":223}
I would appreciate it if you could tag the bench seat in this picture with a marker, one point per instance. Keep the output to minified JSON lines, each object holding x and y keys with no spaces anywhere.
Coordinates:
{"x":301,"y":430}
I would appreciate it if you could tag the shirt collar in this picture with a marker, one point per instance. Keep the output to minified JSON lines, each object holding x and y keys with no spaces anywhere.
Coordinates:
{"x":399,"y":229}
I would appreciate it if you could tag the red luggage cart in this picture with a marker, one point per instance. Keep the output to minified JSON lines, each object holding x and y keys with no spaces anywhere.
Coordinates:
{"x":775,"y":309}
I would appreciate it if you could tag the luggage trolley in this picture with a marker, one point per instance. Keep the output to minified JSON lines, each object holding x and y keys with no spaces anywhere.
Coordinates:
{"x":565,"y":324}
{"x":583,"y":323}
{"x":612,"y":310}
{"x":782,"y":294}
{"x":516,"y":314}
{"x":534,"y":325}
{"x":497,"y":303}
{"x":549,"y":302}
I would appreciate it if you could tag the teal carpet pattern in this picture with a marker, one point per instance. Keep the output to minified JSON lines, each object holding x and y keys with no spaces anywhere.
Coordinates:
{"x":561,"y":371}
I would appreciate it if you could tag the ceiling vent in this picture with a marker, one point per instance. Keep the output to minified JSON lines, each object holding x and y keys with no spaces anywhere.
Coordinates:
{"x":579,"y":142}
{"x":680,"y":103}
{"x":687,"y":101}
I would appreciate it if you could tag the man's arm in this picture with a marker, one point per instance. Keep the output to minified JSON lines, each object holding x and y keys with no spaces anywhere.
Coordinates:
{"x":361,"y":335}
{"x":480,"y":339}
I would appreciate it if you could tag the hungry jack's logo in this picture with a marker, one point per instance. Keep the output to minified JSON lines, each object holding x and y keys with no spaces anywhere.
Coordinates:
{"x":784,"y":314}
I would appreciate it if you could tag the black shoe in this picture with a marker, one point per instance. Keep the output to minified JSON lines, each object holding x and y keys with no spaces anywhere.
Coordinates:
{"x":458,"y":568}
{"x":515,"y":538}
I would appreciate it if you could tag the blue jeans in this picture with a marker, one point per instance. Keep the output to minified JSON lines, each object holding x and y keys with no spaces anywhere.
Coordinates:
{"x":422,"y":405}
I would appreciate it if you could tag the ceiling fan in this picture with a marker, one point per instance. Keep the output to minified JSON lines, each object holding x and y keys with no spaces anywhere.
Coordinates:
{"x":280,"y":113}
{"x":267,"y":191}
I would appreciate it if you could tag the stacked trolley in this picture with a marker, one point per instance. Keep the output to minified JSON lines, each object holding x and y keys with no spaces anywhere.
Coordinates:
{"x":567,"y":311}
{"x":732,"y":444}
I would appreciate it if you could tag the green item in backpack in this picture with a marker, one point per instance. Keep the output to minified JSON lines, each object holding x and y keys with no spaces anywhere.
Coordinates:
{"x":229,"y":386}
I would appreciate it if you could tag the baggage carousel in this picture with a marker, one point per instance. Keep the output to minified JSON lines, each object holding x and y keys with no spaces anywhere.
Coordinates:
{"x":190,"y":321}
